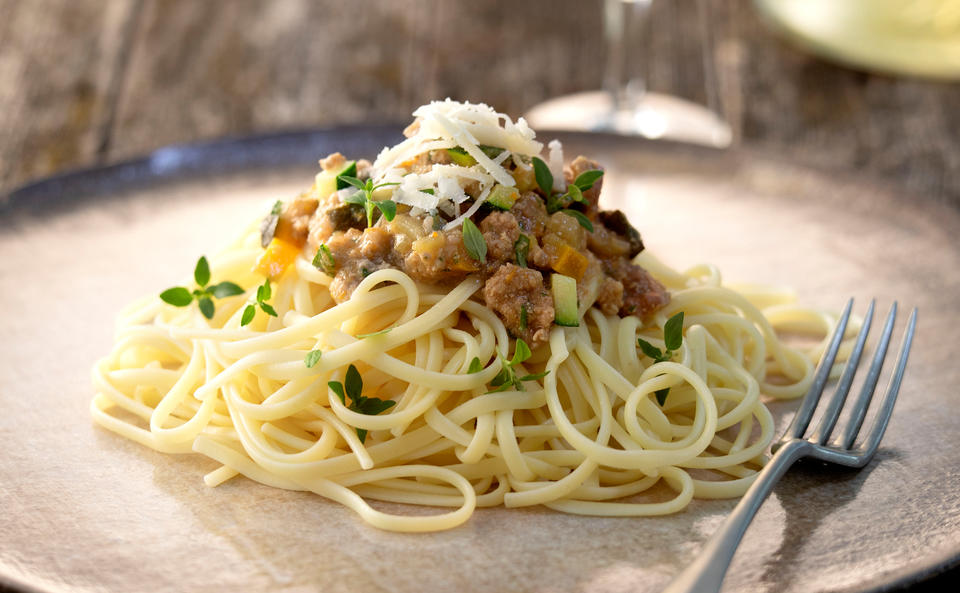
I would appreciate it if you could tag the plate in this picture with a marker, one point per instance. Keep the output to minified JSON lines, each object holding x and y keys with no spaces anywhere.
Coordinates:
{"x":85,"y":510}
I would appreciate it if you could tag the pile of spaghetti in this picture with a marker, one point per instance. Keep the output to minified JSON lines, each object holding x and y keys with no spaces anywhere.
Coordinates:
{"x":362,"y":380}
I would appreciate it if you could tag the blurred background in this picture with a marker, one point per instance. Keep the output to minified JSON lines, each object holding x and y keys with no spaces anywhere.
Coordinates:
{"x":84,"y":82}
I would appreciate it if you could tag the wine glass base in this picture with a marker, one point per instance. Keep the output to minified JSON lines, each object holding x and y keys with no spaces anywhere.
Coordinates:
{"x":656,"y":116}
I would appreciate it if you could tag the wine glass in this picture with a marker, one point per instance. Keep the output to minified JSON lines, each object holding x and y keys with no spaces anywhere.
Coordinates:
{"x":625,"y":106}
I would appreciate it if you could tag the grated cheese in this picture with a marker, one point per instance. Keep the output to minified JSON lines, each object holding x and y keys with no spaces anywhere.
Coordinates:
{"x":447,"y":124}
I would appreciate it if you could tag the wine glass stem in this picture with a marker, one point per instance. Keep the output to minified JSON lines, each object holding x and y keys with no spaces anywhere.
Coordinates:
{"x":625,"y":69}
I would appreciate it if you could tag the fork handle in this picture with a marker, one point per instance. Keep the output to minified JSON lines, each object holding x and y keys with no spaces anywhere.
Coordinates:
{"x":705,"y":574}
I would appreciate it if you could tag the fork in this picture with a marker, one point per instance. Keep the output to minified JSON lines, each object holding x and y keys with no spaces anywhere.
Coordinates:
{"x":706,"y":573}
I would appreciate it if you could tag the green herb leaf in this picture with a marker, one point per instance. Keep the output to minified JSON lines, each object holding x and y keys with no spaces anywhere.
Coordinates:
{"x":535,"y":376}
{"x":475,"y":366}
{"x":357,"y":198}
{"x":268,"y":310}
{"x":543,"y":175}
{"x":491,"y":151}
{"x":177,"y":296}
{"x":337,"y":388}
{"x":650,"y":350}
{"x":263,"y":291}
{"x":351,"y":180}
{"x":353,"y":383}
{"x":520,"y":353}
{"x":201,"y":273}
{"x":248,"y":313}
{"x":523,"y":317}
{"x":673,"y":332}
{"x":581,"y":218}
{"x":206,"y":307}
{"x":574,"y":193}
{"x":362,"y":434}
{"x":312,"y":358}
{"x":373,"y":406}
{"x":324,"y":261}
{"x":505,"y":376}
{"x":268,"y":227}
{"x":662,"y":395}
{"x":585,"y":180}
{"x":349,"y":171}
{"x":226,"y":289}
{"x":474,"y":242}
{"x":388,"y":208}
{"x":555,"y":203}
{"x":521,"y":247}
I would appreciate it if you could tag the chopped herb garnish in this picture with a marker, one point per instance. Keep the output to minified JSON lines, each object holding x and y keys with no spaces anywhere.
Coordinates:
{"x":264,"y":292}
{"x":555,"y":201}
{"x":672,"y":340}
{"x":523,"y":317}
{"x":312,"y":358}
{"x":521,"y":247}
{"x":352,"y":387}
{"x":507,"y":377}
{"x":324,"y":261}
{"x":581,"y":218}
{"x":474,"y":242}
{"x":585,"y":180}
{"x":349,"y":171}
{"x":365,"y":198}
{"x":543,"y":176}
{"x":475,"y":366}
{"x":269,"y":225}
{"x":180,"y":296}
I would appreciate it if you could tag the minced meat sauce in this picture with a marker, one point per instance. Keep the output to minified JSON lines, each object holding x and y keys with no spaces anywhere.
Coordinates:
{"x":517,"y":291}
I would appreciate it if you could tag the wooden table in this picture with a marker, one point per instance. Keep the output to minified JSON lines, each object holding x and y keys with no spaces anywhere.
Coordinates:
{"x":84,"y":82}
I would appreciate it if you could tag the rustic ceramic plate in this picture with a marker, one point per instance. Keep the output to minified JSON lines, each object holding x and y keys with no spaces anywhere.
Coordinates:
{"x":85,"y":510}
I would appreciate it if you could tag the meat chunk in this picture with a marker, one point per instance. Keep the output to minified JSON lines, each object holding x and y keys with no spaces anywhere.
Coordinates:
{"x":522,"y":301}
{"x":642,"y":294}
{"x":610,"y":297}
{"x":616,"y":222}
{"x":531,"y":214}
{"x":500,"y":231}
{"x":334,"y":162}
{"x":439,"y":257}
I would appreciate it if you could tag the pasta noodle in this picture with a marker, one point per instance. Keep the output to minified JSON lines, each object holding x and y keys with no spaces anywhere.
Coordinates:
{"x":583,"y":439}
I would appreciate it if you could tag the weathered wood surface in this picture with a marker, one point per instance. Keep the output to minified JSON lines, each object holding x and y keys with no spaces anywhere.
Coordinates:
{"x":92,"y":81}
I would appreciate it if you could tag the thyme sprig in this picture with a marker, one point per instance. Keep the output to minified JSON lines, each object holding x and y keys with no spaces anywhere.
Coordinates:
{"x":388,"y":208}
{"x":264,"y":293}
{"x":507,"y":377}
{"x":181,"y":296}
{"x":352,"y":387}
{"x":672,"y":340}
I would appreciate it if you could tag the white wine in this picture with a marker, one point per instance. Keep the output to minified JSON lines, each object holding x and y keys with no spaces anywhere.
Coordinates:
{"x":914,"y":37}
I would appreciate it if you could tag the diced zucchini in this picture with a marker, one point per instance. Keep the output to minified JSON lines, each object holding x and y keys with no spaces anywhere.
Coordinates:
{"x":503,"y":197}
{"x":351,"y":171}
{"x":325,"y":183}
{"x":459,"y":156}
{"x":564,"y":290}
{"x":491,"y":151}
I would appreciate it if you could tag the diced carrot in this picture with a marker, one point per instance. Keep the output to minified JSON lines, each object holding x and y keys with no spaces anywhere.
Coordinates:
{"x":276,"y":258}
{"x":570,"y":262}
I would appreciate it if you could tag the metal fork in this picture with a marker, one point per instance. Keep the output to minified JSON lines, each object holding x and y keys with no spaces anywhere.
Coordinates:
{"x":706,"y":573}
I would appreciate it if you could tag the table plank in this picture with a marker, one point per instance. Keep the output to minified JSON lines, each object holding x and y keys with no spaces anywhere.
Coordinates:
{"x":58,"y":68}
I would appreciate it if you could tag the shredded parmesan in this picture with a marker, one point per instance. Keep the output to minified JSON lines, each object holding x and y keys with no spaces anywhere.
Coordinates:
{"x":473,"y":127}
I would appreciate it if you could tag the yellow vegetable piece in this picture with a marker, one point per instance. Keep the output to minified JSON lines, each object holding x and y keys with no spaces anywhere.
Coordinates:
{"x":570,"y":262}
{"x":276,"y":259}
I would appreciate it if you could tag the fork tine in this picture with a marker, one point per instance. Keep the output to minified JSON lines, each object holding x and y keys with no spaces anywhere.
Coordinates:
{"x":872,"y":442}
{"x":832,"y":413}
{"x":870,"y":382}
{"x":802,"y":419}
